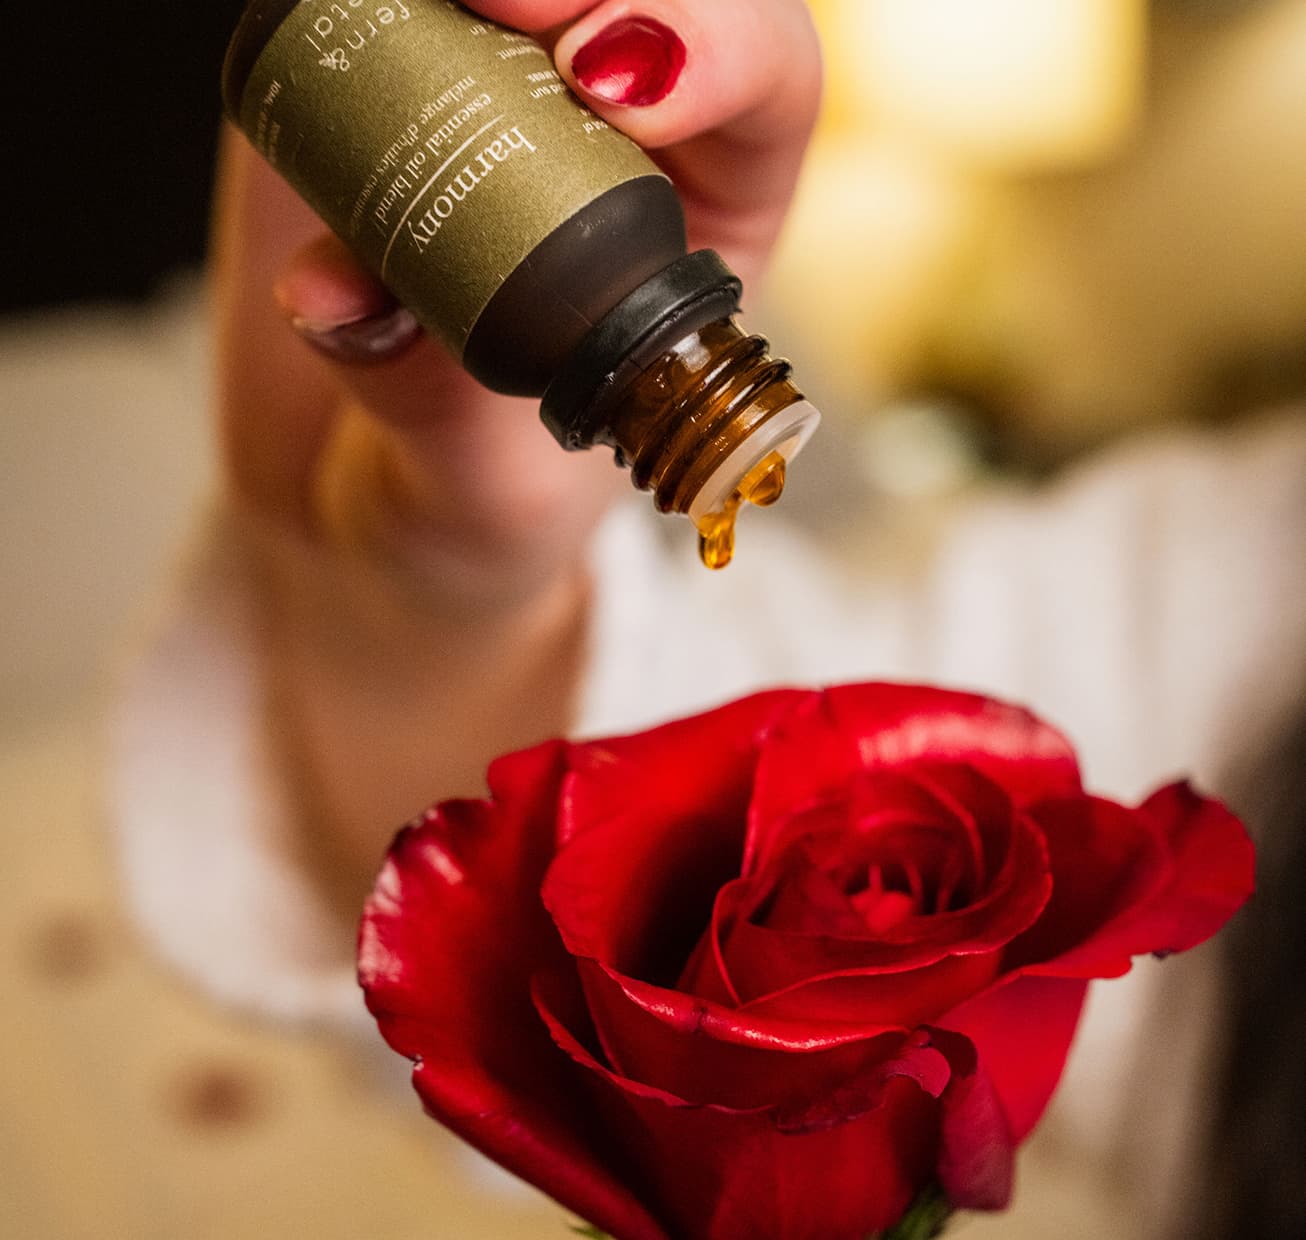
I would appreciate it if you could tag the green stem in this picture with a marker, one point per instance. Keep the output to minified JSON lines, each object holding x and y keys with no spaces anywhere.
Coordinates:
{"x":926,"y":1219}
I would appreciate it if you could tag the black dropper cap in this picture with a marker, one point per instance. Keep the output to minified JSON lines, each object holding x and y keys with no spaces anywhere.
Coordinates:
{"x":682,"y":298}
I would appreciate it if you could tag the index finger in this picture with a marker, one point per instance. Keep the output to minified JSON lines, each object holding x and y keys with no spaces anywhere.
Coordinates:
{"x":725,"y":94}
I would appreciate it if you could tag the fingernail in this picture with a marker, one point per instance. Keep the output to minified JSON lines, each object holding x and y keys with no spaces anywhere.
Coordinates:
{"x":635,"y":62}
{"x":371,"y":339}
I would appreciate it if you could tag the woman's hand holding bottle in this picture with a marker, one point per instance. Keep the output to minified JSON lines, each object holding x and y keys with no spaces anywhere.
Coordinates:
{"x":419,"y":542}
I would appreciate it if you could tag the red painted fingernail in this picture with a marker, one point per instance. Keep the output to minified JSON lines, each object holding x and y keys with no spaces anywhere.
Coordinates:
{"x":635,"y":62}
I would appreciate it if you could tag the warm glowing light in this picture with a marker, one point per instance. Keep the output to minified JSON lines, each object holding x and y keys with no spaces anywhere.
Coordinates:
{"x":1012,"y":83}
{"x":870,"y":253}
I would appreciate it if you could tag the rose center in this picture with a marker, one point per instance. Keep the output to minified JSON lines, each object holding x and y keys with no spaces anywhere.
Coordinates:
{"x":881,"y":905}
{"x":884,"y":894}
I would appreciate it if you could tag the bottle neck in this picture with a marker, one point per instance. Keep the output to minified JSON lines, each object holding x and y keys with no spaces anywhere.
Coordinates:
{"x":697,"y":408}
{"x":704,"y":416}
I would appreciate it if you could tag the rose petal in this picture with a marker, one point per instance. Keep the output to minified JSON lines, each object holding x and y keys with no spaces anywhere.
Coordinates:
{"x":448,"y":941}
{"x":1106,"y":860}
{"x":704,"y":974}
{"x":693,"y":766}
{"x":821,"y":745}
{"x":720,"y":1174}
{"x":639,"y":897}
{"x":1212,"y":876}
{"x":916,"y":1060}
{"x":1161,"y":878}
{"x":456,"y":902}
{"x":758,"y":961}
{"x":976,"y":1165}
{"x":913,"y":997}
{"x":1021,"y":1030}
{"x":534,"y":1142}
{"x":879,"y":807}
{"x":709,"y":1054}
{"x":653,"y":825}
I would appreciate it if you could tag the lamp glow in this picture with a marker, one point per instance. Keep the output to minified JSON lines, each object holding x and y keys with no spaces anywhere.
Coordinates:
{"x":1010,"y":83}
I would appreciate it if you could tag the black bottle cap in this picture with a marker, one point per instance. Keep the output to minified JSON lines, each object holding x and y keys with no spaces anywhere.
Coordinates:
{"x":682,"y":298}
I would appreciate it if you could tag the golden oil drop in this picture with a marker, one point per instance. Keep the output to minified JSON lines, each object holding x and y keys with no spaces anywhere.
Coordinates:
{"x":761,"y":487}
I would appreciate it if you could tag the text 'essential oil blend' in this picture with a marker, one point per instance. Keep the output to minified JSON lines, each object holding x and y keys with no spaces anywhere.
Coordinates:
{"x":540,"y":245}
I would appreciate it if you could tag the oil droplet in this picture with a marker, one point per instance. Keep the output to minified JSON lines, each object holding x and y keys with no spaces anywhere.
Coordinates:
{"x":767,"y":486}
{"x":716,"y":537}
{"x":761,"y":487}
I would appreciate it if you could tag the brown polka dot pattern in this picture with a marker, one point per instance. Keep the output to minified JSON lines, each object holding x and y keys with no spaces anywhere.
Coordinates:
{"x":68,"y":948}
{"x":215,"y":1096}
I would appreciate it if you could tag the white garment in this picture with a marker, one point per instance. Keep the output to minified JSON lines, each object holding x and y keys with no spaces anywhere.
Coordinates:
{"x":1152,"y":605}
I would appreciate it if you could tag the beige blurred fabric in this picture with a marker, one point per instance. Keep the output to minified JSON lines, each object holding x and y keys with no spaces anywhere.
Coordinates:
{"x":132,"y":1107}
{"x":185,"y":1056}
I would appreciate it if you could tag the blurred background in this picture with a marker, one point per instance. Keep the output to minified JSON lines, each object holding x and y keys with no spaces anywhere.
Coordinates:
{"x":1052,"y":222}
{"x":1028,"y":227}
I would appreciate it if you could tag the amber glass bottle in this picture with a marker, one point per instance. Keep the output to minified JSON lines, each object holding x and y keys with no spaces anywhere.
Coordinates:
{"x":539,"y":244}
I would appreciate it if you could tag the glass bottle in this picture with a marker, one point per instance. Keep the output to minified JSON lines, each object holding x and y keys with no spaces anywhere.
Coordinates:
{"x":541,"y":246}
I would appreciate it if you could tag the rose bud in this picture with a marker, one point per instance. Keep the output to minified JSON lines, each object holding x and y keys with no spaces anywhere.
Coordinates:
{"x":782,"y":968}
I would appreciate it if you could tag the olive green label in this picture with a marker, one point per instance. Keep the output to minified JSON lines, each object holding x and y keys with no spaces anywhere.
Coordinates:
{"x":441,"y":147}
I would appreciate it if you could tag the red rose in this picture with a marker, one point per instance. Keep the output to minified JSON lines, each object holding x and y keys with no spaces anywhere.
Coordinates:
{"x":773,"y":970}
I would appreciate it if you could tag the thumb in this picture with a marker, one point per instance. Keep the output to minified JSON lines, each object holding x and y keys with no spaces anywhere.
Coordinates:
{"x":339,"y":308}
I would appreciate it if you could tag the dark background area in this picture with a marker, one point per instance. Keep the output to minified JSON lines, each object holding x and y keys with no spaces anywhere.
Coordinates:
{"x":108,"y":134}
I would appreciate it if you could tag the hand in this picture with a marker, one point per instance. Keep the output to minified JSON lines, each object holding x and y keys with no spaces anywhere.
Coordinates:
{"x":420,"y":542}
